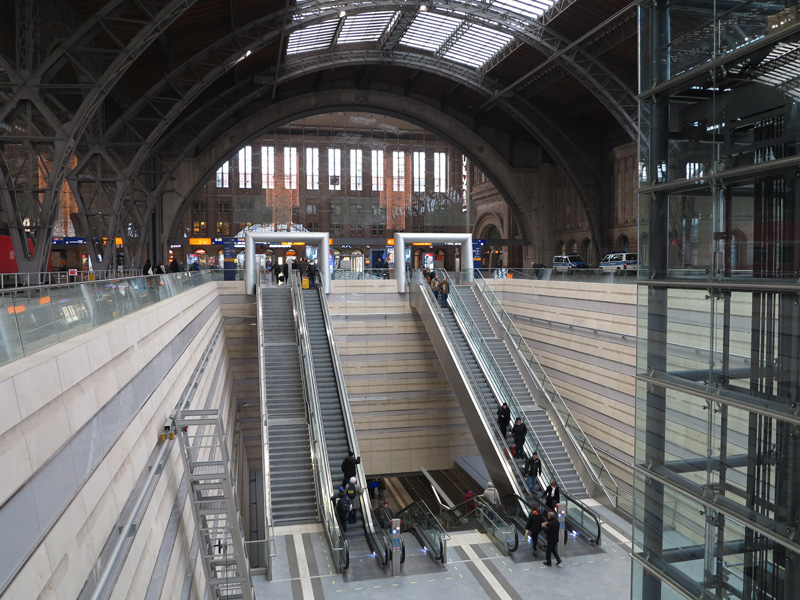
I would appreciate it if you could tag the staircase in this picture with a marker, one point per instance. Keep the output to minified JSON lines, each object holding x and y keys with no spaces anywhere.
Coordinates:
{"x":291,"y":476}
{"x":537,"y":417}
{"x":214,"y":506}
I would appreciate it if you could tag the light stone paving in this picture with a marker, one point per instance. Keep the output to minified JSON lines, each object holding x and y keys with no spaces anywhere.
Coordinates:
{"x":475,"y":569}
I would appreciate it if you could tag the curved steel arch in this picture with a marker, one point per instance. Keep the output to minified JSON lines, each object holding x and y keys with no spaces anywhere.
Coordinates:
{"x":352,"y":100}
{"x":571,"y":158}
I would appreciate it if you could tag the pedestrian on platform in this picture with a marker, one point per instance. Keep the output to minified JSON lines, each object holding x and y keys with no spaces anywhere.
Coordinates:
{"x":552,"y":530}
{"x":534,"y":528}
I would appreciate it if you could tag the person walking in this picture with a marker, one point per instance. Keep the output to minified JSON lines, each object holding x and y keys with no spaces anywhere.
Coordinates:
{"x":444,"y":289}
{"x":552,"y":496}
{"x":349,"y":467}
{"x":276,"y":271}
{"x":174,"y":266}
{"x":531,"y":470}
{"x":469,"y":502}
{"x":161,"y":269}
{"x":147,"y":269}
{"x":312,"y":276}
{"x":285,"y":270}
{"x":491,"y":495}
{"x":503,"y":419}
{"x":551,"y":530}
{"x":534,"y":528}
{"x":354,"y":493}
{"x":341,"y":506}
{"x":519,"y":431}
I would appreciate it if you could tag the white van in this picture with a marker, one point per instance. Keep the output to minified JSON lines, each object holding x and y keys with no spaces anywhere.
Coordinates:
{"x":620,"y":261}
{"x":567,"y":262}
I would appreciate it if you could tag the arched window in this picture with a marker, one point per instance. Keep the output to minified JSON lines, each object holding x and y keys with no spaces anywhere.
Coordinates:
{"x":572,"y":247}
{"x":560,"y":248}
{"x":623,"y":244}
{"x":587,"y":251}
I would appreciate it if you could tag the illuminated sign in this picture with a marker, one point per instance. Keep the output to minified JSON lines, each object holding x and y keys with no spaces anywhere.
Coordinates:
{"x":199,"y":241}
{"x":390,"y":242}
{"x":422,"y":244}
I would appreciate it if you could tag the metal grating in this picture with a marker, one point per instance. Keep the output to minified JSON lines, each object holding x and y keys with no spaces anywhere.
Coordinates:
{"x":313,"y":37}
{"x":430,"y":31}
{"x":477,"y":45}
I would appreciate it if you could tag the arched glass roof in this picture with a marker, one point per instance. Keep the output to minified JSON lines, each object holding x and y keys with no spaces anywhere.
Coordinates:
{"x":449,"y":36}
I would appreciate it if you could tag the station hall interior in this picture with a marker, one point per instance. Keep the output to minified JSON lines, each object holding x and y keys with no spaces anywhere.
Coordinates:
{"x":241,"y":240}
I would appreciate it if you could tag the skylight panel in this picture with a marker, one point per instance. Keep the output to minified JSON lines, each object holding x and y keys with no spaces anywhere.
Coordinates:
{"x":366,"y":27}
{"x":313,"y":37}
{"x":477,"y":45}
{"x":429,"y":31}
{"x":526,"y":8}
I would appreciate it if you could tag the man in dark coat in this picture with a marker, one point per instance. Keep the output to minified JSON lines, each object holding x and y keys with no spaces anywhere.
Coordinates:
{"x":342,"y":506}
{"x":551,"y":528}
{"x":551,"y":495}
{"x":534,"y":528}
{"x":531,"y":470}
{"x":503,"y":418}
{"x":174,"y":266}
{"x":349,"y":467}
{"x":312,"y":276}
{"x":303,"y":267}
{"x":519,"y":431}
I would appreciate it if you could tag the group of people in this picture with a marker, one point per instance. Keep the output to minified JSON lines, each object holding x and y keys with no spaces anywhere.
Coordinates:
{"x":347,"y":502}
{"x":280,"y":273}
{"x":535,"y":525}
{"x":439,"y":287}
{"x":160,"y":269}
{"x":518,"y":431}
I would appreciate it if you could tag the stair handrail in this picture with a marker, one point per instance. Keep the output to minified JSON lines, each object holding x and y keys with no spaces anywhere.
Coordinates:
{"x":376,"y":541}
{"x":490,"y":424}
{"x":570,"y":424}
{"x":503,"y":392}
{"x":266,"y":481}
{"x":319,"y":455}
{"x":494,"y":376}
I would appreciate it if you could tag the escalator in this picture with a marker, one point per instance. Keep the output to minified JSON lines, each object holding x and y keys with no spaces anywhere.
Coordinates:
{"x":480,"y":388}
{"x":364,"y":539}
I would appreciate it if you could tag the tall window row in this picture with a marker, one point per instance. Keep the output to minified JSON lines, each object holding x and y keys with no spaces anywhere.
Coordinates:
{"x":291,"y":176}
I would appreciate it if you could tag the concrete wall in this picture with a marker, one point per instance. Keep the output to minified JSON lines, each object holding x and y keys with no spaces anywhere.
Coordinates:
{"x":584,"y":335}
{"x":80,"y":429}
{"x":404,"y":409}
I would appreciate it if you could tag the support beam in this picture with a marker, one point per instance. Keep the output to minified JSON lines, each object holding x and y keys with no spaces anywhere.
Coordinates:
{"x":319,"y":239}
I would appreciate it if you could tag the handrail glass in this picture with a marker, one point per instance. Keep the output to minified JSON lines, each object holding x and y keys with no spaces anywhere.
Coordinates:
{"x":492,"y":521}
{"x":576,"y":510}
{"x":620,"y":498}
{"x":37,"y":317}
{"x":420,"y":520}
{"x":375,"y":536}
{"x":319,"y":452}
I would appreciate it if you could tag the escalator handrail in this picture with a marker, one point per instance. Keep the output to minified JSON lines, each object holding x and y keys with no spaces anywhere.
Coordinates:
{"x":441,"y":532}
{"x":493,"y":368}
{"x":478,"y":502}
{"x":570,"y":424}
{"x":269,"y":536}
{"x":514,"y":475}
{"x":518,"y":478}
{"x":372,"y":536}
{"x":323,"y":479}
{"x":500,"y":387}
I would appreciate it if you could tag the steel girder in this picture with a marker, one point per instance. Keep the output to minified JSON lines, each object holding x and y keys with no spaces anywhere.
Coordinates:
{"x":45,"y":104}
{"x":610,"y":91}
{"x":210,"y":121}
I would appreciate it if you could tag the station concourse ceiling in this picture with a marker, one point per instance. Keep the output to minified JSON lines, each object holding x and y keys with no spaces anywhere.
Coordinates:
{"x":133,"y":87}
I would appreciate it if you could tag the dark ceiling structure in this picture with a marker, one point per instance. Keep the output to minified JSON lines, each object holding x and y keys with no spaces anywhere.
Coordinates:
{"x":110,"y":96}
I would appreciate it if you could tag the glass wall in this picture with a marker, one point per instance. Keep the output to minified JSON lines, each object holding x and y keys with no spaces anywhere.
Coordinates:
{"x":718,"y":363}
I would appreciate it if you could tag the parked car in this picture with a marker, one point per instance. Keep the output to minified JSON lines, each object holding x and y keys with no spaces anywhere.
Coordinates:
{"x":567,"y":262}
{"x":620,"y":261}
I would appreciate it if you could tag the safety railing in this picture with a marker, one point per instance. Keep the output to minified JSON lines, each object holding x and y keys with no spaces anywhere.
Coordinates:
{"x":37,"y":317}
{"x":319,"y":452}
{"x":488,"y":518}
{"x":15,"y":280}
{"x":364,"y":274}
{"x":375,"y":536}
{"x":620,"y":498}
{"x":418,"y":519}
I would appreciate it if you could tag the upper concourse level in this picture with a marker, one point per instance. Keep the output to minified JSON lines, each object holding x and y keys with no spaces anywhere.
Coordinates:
{"x":84,"y":415}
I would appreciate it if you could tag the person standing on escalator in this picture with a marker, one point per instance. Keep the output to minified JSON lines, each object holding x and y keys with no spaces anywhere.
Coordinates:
{"x":349,"y":467}
{"x":503,"y":419}
{"x":491,"y":495}
{"x":354,"y":492}
{"x":519,"y":431}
